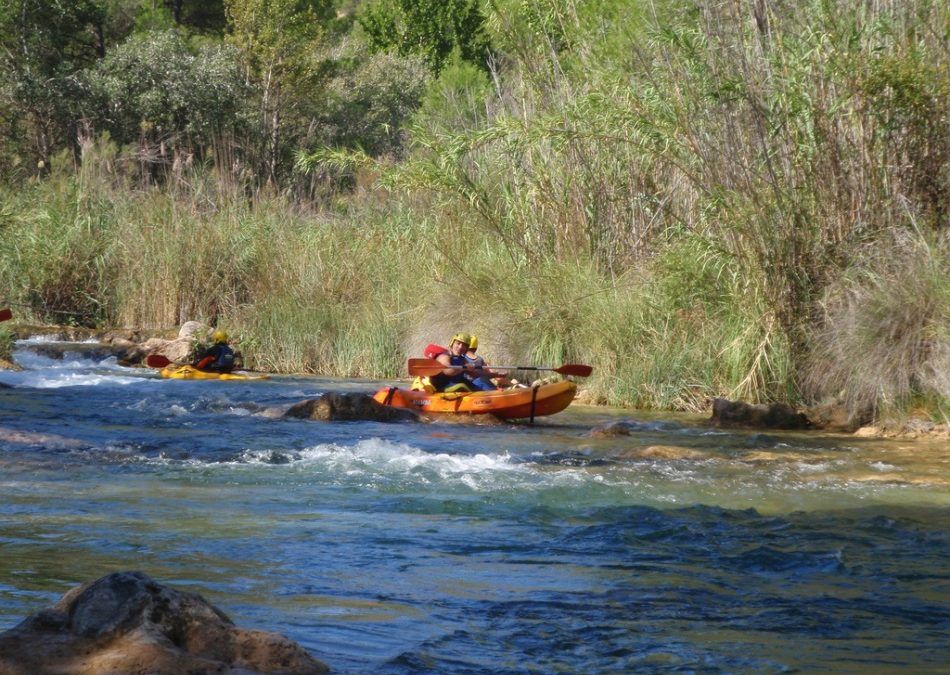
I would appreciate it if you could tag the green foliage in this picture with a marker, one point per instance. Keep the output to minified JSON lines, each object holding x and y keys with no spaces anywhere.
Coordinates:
{"x":200,"y":15}
{"x":455,"y":99}
{"x":368,"y":102}
{"x":7,"y":339}
{"x":56,"y":250}
{"x":431,"y":29}
{"x":42,"y":46}
{"x":675,"y":192}
{"x":153,"y":87}
{"x":279,"y":40}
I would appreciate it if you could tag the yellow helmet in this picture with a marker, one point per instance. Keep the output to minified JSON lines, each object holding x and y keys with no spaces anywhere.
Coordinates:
{"x":219,"y":336}
{"x":474,"y":343}
{"x":464,"y":338}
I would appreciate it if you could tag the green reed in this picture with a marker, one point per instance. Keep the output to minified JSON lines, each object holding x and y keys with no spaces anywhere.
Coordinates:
{"x":692,"y":206}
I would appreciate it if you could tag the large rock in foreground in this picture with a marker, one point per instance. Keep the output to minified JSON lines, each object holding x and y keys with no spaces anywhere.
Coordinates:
{"x":127,"y":623}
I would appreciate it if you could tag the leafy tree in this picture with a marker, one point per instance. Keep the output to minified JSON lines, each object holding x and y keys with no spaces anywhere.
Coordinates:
{"x":367,"y":104}
{"x":152,"y":87}
{"x":202,"y":15}
{"x":454,"y":101}
{"x":428,"y":28}
{"x":42,"y":45}
{"x":279,"y":39}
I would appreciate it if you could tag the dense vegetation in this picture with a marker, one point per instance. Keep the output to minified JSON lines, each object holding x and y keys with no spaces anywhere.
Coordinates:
{"x":699,"y":198}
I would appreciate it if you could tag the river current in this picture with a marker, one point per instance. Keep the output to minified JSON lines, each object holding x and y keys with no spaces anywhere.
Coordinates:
{"x":450,"y":548}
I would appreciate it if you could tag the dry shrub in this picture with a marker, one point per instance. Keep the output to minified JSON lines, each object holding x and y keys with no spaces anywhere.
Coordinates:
{"x":885,"y":335}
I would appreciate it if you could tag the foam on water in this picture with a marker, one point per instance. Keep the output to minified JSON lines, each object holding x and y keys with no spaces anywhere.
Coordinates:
{"x":376,"y":461}
{"x":43,"y":372}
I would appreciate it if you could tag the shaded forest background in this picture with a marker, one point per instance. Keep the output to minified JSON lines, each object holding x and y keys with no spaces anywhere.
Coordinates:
{"x":698,"y":198}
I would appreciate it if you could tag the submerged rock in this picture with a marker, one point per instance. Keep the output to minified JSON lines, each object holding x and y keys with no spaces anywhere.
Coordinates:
{"x":342,"y":406}
{"x":726,"y":413}
{"x":614,"y":429}
{"x":663,"y":452}
{"x":36,"y":438}
{"x":127,"y":623}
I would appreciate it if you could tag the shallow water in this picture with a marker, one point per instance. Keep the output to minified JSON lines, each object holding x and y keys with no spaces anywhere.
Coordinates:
{"x":407,"y":548}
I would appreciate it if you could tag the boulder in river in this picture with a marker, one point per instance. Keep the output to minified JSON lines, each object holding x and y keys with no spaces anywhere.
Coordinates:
{"x":615,"y":429}
{"x":346,"y":406}
{"x":127,"y":623}
{"x":726,"y":413}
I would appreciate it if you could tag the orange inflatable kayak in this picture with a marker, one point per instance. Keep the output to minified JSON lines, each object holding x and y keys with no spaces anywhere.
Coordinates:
{"x":531,"y":402}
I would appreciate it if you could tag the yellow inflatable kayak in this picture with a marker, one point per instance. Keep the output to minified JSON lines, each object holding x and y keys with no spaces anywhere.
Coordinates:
{"x":527,"y":402}
{"x":192,"y":373}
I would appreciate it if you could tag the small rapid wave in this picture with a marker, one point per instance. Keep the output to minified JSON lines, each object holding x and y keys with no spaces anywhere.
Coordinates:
{"x":377,"y":462}
{"x":73,"y":370}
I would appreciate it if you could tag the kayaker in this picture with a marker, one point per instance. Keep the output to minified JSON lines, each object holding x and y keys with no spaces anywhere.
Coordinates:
{"x":219,"y":357}
{"x":480,"y":380}
{"x":453,"y":378}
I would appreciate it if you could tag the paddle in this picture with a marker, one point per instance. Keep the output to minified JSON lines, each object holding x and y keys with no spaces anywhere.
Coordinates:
{"x":427,"y":367}
{"x":6,"y":314}
{"x":157,"y":361}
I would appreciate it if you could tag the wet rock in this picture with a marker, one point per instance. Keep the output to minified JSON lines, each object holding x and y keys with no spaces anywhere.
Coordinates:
{"x":768,"y":456}
{"x":837,"y":417}
{"x":127,"y":623}
{"x":670,"y":452}
{"x":727,"y":413}
{"x":36,"y":438}
{"x":909,"y":429}
{"x":342,"y":406}
{"x":468,"y":419}
{"x":614,"y":430}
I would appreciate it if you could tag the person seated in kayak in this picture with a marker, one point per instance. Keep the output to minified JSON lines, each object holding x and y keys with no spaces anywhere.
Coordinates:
{"x":453,"y":378}
{"x":219,"y":357}
{"x":481,"y":379}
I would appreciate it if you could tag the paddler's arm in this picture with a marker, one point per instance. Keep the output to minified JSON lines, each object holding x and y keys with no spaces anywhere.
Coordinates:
{"x":446,"y":360}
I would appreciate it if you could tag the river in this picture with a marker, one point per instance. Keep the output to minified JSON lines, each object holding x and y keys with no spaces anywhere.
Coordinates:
{"x":448,"y":548}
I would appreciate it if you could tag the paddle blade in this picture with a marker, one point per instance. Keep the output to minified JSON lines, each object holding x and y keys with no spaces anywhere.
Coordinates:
{"x":6,"y":314}
{"x":429,"y":367}
{"x":157,"y":361}
{"x":424,"y":367}
{"x":574,"y":369}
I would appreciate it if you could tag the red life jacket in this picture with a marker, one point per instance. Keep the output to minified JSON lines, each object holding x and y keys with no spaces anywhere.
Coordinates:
{"x":434,"y":350}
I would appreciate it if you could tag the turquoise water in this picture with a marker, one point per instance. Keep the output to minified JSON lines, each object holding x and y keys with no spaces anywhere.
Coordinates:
{"x":456,"y":548}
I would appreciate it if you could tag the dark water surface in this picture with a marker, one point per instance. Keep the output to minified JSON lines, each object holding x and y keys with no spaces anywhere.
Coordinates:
{"x":460,"y":549}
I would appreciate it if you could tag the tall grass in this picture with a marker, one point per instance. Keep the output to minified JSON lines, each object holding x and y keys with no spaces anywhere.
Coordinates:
{"x":303,"y":291}
{"x":767,"y":144}
{"x":884,"y":342}
{"x":693,"y":199}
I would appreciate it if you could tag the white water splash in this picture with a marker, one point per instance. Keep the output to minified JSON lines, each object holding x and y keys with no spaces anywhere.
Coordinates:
{"x":43,"y":372}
